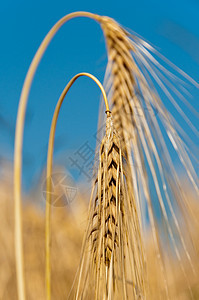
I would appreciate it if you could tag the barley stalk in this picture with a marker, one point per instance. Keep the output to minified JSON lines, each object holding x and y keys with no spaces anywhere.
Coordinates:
{"x":18,"y":146}
{"x":49,"y":169}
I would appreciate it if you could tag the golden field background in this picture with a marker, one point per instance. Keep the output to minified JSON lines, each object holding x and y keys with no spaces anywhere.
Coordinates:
{"x":68,"y":224}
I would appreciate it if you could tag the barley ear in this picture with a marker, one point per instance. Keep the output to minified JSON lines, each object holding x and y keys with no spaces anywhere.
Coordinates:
{"x":112,"y":257}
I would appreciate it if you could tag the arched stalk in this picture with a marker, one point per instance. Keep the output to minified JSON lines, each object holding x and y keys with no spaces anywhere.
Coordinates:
{"x":49,"y":170}
{"x":19,"y":142}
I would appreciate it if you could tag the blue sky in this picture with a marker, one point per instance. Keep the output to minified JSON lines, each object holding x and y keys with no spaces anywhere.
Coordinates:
{"x":79,"y":46}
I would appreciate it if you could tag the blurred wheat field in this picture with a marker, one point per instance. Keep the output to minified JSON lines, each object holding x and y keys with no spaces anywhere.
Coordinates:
{"x":137,"y":237}
{"x":67,"y":237}
{"x":68,"y":225}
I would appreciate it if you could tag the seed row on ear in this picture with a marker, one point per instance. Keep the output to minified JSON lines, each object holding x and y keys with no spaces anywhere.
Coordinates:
{"x":105,"y":220}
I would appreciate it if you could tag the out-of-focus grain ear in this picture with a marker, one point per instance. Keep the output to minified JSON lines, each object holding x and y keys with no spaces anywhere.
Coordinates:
{"x":148,"y":131}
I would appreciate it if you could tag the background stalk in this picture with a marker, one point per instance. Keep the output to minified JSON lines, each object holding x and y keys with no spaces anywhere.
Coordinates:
{"x":19,"y":142}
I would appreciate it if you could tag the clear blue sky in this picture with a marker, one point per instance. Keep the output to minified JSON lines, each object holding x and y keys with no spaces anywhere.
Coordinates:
{"x":172,"y":26}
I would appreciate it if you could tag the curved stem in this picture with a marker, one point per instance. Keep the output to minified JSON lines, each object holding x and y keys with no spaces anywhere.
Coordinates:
{"x":18,"y":146}
{"x":49,"y":169}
